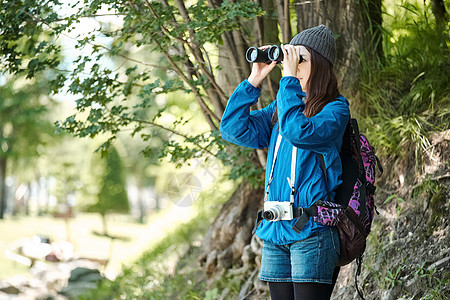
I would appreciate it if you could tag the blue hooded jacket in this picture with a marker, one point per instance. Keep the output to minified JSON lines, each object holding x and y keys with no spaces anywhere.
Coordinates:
{"x":321,"y":133}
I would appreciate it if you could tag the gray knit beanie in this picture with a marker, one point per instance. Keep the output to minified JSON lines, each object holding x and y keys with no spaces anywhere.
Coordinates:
{"x":320,"y":39}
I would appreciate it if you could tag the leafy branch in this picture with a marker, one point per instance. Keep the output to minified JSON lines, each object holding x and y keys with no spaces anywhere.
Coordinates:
{"x":176,"y":33}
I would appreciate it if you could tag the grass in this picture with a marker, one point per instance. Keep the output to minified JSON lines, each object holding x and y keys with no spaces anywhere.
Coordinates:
{"x":170,"y":269}
{"x":406,"y":98}
{"x":80,"y":231}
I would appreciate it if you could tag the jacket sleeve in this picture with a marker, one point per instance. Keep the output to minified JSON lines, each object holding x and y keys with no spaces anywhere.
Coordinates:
{"x":313,"y":133}
{"x":243,"y":127}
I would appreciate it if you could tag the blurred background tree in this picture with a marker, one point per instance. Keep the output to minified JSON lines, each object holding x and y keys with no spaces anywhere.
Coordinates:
{"x":25,"y":129}
{"x":112,"y":195}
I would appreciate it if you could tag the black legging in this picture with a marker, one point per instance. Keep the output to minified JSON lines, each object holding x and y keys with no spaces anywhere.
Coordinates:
{"x":302,"y":291}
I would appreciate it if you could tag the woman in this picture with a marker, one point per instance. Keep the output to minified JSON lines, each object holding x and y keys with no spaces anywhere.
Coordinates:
{"x":310,"y":116}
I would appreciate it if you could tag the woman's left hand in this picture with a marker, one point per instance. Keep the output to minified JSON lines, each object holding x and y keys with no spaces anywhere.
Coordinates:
{"x":290,"y":60}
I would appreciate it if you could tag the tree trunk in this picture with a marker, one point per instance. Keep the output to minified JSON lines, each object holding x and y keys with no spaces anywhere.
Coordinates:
{"x":357,"y":25}
{"x":2,"y":181}
{"x":27,"y":199}
{"x":231,"y":231}
{"x":439,"y":13}
{"x":140,"y":199}
{"x":441,"y":16}
{"x":284,"y":19}
{"x":270,"y":36}
{"x":2,"y":186}
{"x":105,"y":227}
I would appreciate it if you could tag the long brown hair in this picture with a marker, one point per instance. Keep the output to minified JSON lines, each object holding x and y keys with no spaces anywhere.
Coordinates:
{"x":322,"y":86}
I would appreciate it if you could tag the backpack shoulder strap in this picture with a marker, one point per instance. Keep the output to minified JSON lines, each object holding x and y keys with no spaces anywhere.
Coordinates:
{"x":356,"y":130}
{"x":362,"y":172}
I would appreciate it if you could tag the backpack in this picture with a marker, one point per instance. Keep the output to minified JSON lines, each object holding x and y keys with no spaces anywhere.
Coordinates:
{"x":353,"y":210}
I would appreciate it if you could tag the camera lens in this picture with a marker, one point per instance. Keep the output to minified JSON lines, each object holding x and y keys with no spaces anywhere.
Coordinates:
{"x":269,"y":215}
{"x":273,"y":214}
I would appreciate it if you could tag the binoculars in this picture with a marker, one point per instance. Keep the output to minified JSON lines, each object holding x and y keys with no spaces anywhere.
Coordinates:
{"x":267,"y":56}
{"x":273,"y":53}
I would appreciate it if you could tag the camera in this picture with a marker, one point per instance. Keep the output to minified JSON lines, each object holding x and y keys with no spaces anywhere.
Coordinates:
{"x":273,"y":53}
{"x":278,"y":210}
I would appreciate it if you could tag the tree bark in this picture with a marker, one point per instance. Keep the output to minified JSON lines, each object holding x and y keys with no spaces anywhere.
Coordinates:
{"x":439,"y":12}
{"x":231,"y":231}
{"x":357,"y":27}
{"x":441,"y":16}
{"x":284,"y":20}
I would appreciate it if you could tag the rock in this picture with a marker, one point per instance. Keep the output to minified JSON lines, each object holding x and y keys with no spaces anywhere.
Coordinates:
{"x":260,"y":286}
{"x":339,"y":294}
{"x":256,"y":243}
{"x":392,"y":294}
{"x":81,"y":280}
{"x":9,"y":289}
{"x":248,"y":255}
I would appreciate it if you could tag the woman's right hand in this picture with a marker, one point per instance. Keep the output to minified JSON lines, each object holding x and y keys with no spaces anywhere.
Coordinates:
{"x":260,"y":71}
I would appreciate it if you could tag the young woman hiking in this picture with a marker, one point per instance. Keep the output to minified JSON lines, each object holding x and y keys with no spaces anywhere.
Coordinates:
{"x":310,"y":116}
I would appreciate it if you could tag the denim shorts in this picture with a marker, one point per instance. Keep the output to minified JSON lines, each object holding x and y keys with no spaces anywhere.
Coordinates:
{"x":310,"y":260}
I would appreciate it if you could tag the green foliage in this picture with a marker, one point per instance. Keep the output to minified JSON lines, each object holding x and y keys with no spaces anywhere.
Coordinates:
{"x":121,"y":66}
{"x":435,"y":284}
{"x":112,"y":196}
{"x":429,"y":283}
{"x":397,"y":198}
{"x":387,"y":279}
{"x":436,"y":192}
{"x":241,"y":160}
{"x":399,"y":203}
{"x":23,"y":46}
{"x":23,"y":113}
{"x":25,"y":130}
{"x":429,"y":187}
{"x":392,"y":278}
{"x":408,"y":96}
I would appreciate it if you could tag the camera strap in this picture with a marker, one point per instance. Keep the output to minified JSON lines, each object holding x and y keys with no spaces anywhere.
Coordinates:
{"x":259,"y":216}
{"x":291,"y":181}
{"x":301,"y":214}
{"x":275,"y":152}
